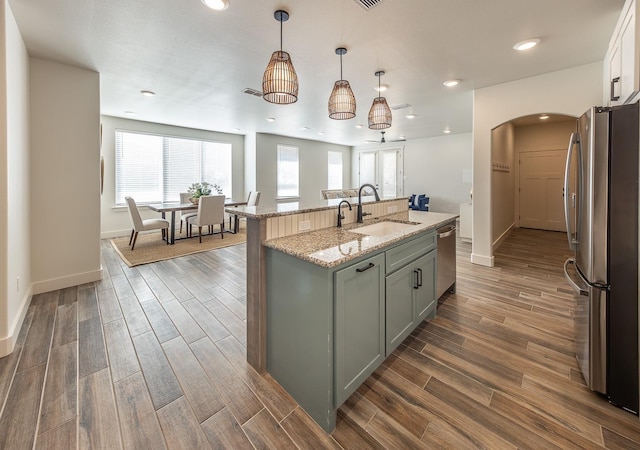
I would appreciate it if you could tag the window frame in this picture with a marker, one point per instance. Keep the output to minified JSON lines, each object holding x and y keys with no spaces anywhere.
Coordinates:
{"x":164,"y":163}
{"x":335,"y":153}
{"x":279,"y":194}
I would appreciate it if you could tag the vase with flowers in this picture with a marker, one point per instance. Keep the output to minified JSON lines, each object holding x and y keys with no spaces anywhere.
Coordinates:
{"x":197,"y":190}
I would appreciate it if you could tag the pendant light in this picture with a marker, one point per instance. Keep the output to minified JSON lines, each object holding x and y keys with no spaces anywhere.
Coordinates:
{"x":280,"y":82}
{"x":380,"y":113}
{"x":342,"y":102}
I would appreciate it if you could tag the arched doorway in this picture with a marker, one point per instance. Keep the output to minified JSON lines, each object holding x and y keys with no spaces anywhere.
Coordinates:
{"x":528,"y":156}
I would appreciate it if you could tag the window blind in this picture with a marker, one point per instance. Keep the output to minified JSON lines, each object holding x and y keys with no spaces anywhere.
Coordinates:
{"x":155,"y":168}
{"x":334,"y":170}
{"x":287,"y":171}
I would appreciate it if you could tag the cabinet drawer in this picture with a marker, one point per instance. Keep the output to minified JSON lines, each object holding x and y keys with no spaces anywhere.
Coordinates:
{"x":403,"y":254}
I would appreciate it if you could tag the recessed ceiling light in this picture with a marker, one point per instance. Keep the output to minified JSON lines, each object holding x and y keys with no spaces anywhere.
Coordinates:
{"x":410,"y":116}
{"x":526,"y":45}
{"x":320,"y":133}
{"x":130,"y":113}
{"x":382,"y":87}
{"x":237,"y":129}
{"x":359,"y":125}
{"x":148,"y":93}
{"x":451,"y":83}
{"x":544,"y":116}
{"x":271,"y":119}
{"x":402,"y":138}
{"x":446,"y":131}
{"x":218,"y":5}
{"x":304,"y":128}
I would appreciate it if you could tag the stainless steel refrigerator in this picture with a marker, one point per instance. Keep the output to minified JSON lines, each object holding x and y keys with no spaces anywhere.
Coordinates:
{"x":601,"y":213}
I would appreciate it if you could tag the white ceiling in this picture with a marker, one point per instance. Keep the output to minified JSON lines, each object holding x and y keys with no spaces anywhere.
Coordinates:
{"x":198,"y":60}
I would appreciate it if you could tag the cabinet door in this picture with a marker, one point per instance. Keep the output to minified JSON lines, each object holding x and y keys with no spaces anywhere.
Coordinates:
{"x":426,"y":292}
{"x":359,"y":322}
{"x":615,"y":80}
{"x":400,"y":312}
{"x":628,"y":62}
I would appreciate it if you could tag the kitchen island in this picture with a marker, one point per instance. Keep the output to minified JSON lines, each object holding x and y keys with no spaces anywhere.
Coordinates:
{"x":333,"y":302}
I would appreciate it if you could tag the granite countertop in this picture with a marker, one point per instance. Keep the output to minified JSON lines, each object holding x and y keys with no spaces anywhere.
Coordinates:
{"x":283,"y":209}
{"x":332,"y":246}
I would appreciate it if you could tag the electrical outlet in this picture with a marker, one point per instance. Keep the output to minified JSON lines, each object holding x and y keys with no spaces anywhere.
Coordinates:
{"x":304,"y":225}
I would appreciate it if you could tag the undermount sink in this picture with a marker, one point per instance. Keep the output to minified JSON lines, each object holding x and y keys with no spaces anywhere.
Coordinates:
{"x":383,"y":228}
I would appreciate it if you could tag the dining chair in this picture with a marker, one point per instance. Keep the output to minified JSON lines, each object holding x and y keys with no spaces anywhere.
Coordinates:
{"x":234,"y":217}
{"x":210,"y":213}
{"x":144,"y":225}
{"x":184,"y":198}
{"x":252,"y":200}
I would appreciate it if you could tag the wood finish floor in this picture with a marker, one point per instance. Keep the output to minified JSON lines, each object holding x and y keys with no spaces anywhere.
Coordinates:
{"x":153,"y":357}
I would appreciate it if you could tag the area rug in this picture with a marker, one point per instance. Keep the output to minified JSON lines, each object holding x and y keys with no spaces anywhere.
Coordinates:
{"x":150,"y":248}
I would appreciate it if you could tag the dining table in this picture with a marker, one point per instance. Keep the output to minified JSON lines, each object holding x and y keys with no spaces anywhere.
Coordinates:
{"x":173,"y":207}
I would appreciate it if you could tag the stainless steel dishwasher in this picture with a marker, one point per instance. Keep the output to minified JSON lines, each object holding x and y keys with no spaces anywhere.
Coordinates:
{"x":446,"y":259}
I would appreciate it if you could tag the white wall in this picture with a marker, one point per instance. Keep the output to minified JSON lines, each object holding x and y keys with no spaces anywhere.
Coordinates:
{"x":503,"y":182}
{"x":14,"y":204}
{"x":570,"y":92}
{"x":115,"y":220}
{"x":250,"y":161}
{"x":313,"y":158}
{"x":439,"y":167}
{"x":65,"y":191}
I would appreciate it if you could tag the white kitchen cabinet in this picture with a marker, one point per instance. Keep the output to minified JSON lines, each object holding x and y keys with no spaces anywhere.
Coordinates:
{"x":621,"y":64}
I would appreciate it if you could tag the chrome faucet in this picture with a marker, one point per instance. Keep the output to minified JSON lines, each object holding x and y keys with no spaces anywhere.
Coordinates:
{"x":360,"y":213}
{"x":340,"y":215}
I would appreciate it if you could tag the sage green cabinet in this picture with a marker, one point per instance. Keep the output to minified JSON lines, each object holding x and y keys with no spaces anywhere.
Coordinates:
{"x":400,"y":311}
{"x":328,"y":329}
{"x":425,"y":295}
{"x":410,"y":298}
{"x":359,"y":321}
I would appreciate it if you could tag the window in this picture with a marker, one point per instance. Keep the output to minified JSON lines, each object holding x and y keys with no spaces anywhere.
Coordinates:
{"x":334,"y":173}
{"x":288,"y":172}
{"x":152,"y":168}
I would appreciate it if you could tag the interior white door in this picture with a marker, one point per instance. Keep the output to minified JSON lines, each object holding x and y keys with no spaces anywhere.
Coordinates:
{"x":384,"y":170}
{"x":541,"y":181}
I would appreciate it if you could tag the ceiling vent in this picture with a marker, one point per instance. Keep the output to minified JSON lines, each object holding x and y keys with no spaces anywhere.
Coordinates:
{"x":403,"y":106}
{"x":252,"y":92}
{"x":368,"y":4}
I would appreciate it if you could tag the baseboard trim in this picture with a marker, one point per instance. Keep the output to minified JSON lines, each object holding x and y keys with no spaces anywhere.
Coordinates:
{"x":68,"y":281}
{"x":503,"y":236}
{"x":8,"y":343}
{"x":482,"y":260}
{"x":115,"y":234}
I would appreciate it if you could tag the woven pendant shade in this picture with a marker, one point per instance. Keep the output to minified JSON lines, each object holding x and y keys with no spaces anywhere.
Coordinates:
{"x":342,"y":102}
{"x":280,"y":81}
{"x":379,"y":114}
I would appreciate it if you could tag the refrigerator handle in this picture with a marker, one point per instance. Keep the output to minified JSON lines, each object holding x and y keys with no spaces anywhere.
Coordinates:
{"x":575,"y":139}
{"x":573,"y":284}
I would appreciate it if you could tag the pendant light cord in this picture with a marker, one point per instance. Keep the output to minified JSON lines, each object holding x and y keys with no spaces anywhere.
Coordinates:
{"x":379,"y":96}
{"x":280,"y":33}
{"x":340,"y":66}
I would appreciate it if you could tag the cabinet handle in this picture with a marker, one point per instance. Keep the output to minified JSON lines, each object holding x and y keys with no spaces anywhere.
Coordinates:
{"x":416,"y":283}
{"x":419,"y":277}
{"x":369,"y":266}
{"x":613,"y":84}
